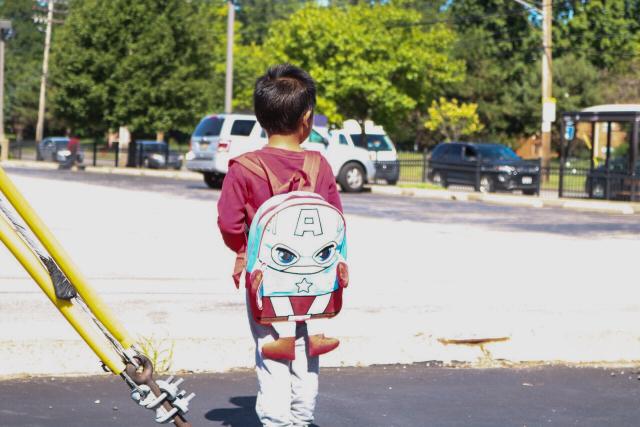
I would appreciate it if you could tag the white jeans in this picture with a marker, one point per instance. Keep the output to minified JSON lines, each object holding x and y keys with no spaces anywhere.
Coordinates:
{"x":287,"y":391}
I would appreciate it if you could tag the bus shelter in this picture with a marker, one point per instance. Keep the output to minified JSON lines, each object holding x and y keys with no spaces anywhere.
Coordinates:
{"x":599,"y":153}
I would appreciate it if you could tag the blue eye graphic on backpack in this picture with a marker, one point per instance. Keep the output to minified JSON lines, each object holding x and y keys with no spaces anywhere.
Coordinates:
{"x":284,"y":256}
{"x":325,"y":254}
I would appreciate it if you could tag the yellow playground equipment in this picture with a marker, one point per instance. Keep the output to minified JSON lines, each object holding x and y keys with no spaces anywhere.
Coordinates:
{"x":38,"y":251}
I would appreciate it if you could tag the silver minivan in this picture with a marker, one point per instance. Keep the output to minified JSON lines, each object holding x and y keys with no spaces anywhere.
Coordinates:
{"x":219,"y":138}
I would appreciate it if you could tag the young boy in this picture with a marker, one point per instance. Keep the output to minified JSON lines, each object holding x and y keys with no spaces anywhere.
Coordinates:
{"x":284,"y":101}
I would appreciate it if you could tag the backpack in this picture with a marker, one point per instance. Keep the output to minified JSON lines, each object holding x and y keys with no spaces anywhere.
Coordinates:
{"x":297,"y":240}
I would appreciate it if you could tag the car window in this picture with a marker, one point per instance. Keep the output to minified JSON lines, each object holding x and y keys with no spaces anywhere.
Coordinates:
{"x":210,"y":126}
{"x":316,"y":137}
{"x":453,"y":152}
{"x":154,"y":147}
{"x":263,"y":133}
{"x":374,"y":142}
{"x":343,"y":140}
{"x":497,"y":152}
{"x":242,"y":127}
{"x":470,"y":153}
{"x":61,"y":144}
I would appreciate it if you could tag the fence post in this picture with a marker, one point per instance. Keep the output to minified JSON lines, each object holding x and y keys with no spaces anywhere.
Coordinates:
{"x":425,"y":165}
{"x":538,"y":189}
{"x":95,"y":152}
{"x":478,"y":162}
{"x":561,"y":177}
{"x":166,"y":156}
{"x":117,"y":148}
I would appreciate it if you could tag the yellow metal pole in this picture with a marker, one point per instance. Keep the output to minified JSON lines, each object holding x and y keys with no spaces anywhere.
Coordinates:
{"x":48,"y":240}
{"x":73,"y":313}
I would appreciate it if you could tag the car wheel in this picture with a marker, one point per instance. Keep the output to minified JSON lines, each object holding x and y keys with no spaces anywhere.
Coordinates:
{"x":598,"y":190}
{"x":486,"y":184}
{"x":529,"y":192}
{"x":39,"y":157}
{"x":392,"y":181}
{"x":438,"y":179}
{"x":213,"y":180}
{"x":351,"y":178}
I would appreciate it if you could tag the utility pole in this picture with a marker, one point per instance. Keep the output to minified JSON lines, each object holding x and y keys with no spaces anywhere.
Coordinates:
{"x":228,"y":89}
{"x":548,"y":103}
{"x":45,"y":71}
{"x":5,"y":29}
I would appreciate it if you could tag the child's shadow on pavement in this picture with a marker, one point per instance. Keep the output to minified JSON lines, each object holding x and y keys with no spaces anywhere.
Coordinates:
{"x":242,"y":416}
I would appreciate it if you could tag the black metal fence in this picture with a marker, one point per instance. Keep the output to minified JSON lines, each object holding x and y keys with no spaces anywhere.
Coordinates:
{"x":571,"y":179}
{"x":96,"y":153}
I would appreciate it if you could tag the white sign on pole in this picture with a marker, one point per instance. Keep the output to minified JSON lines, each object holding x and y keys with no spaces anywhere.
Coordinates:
{"x":546,"y":126}
{"x":549,"y":110}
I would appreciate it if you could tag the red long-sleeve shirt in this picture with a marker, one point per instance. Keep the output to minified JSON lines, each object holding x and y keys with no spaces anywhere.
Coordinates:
{"x":243,"y":192}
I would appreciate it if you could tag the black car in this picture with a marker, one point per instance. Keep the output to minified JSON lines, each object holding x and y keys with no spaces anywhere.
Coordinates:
{"x":486,"y":167}
{"x":153,"y":155}
{"x":614,"y":184}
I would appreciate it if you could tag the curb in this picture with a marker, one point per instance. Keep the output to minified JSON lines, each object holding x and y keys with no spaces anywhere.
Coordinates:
{"x":624,"y":208}
{"x":175,"y":174}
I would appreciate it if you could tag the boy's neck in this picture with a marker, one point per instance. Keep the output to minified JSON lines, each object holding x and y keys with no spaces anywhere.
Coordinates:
{"x":285,"y":142}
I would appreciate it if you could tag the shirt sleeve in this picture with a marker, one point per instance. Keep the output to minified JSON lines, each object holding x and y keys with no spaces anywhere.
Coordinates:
{"x":231,"y":209}
{"x":329,"y":182}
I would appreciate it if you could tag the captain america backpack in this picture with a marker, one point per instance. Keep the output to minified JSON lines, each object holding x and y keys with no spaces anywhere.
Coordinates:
{"x":297,"y":248}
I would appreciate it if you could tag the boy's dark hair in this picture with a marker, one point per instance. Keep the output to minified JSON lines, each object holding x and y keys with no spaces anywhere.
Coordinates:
{"x":281,"y":98}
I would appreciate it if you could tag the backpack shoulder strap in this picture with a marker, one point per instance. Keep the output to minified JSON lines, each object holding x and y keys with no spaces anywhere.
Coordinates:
{"x":311,"y":167}
{"x":257,"y":166}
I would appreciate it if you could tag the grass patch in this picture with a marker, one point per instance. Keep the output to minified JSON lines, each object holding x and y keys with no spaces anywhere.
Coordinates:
{"x":421,"y":185}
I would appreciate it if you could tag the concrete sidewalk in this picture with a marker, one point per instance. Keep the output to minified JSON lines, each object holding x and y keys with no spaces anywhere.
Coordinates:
{"x":420,"y":291}
{"x":583,"y":205}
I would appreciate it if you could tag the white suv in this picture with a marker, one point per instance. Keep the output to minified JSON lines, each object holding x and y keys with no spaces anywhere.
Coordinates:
{"x":380,"y":147}
{"x":221,"y":137}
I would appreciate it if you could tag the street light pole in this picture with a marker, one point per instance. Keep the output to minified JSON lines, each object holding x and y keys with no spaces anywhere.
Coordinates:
{"x":45,"y":71}
{"x":228,"y":90}
{"x":5,"y":28}
{"x":548,"y":103}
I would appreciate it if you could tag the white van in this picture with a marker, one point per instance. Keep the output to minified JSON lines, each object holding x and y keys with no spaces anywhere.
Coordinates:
{"x":380,"y":147}
{"x":221,"y":137}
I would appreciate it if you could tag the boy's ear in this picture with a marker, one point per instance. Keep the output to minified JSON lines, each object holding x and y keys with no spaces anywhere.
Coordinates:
{"x":307,"y":116}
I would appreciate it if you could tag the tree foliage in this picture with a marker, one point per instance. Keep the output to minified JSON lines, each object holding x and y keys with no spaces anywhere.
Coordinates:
{"x":144,"y":64}
{"x":453,"y":119}
{"x":365,"y":65}
{"x":23,"y":66}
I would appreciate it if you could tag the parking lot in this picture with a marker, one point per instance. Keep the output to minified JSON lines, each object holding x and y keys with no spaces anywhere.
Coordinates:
{"x":554,"y":283}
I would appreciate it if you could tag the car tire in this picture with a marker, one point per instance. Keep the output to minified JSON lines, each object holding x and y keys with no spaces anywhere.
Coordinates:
{"x":529,"y":192}
{"x":213,"y":180}
{"x":39,"y":157}
{"x":598,"y":191}
{"x":486,"y":184}
{"x":439,"y":179}
{"x":392,"y":181}
{"x":351,"y":178}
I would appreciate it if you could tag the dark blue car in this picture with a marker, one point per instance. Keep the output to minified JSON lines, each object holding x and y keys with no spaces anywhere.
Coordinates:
{"x":486,"y":167}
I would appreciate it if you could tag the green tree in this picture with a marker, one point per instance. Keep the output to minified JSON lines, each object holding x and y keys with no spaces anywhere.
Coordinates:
{"x":606,"y":32}
{"x":453,"y":119}
{"x":256,"y":16}
{"x":23,"y":65}
{"x":499,"y":41}
{"x":144,"y":64}
{"x":366,"y":67}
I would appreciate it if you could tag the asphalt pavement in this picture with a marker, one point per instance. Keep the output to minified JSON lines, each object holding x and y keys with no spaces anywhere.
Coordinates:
{"x":384,"y":396}
{"x":496,"y":217}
